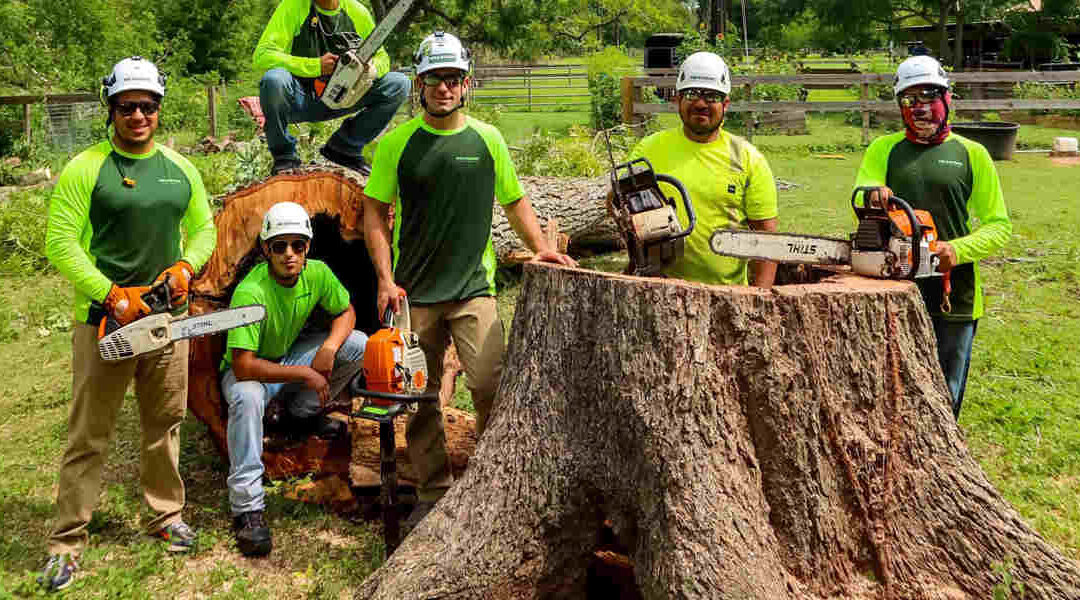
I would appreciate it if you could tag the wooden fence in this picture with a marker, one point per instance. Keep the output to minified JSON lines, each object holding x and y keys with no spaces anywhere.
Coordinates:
{"x":523,"y":87}
{"x":634,"y":108}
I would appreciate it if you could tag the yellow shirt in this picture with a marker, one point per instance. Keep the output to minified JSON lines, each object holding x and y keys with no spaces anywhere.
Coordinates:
{"x":730,"y":183}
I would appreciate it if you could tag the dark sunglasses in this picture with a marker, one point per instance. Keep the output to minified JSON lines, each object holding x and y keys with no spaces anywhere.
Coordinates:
{"x":451,"y":81}
{"x":148,"y":107}
{"x":279,"y":246}
{"x":925,"y":96}
{"x":710,"y":96}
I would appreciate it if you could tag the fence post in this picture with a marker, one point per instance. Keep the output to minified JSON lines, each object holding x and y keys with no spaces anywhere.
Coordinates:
{"x":27,"y":122}
{"x":865,"y":113}
{"x":749,"y":87}
{"x":211,"y":101}
{"x":528,"y":75}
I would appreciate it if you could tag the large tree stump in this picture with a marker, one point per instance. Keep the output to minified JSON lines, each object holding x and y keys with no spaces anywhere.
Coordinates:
{"x":743,"y":444}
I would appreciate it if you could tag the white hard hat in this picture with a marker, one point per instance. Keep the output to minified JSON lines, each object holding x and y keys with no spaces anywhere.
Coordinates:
{"x":919,"y":70}
{"x":286,"y":217}
{"x":135,"y":73}
{"x":704,"y":70}
{"x":440,"y":51}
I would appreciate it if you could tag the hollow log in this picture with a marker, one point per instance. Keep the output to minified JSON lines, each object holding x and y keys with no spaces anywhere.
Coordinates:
{"x":743,"y":444}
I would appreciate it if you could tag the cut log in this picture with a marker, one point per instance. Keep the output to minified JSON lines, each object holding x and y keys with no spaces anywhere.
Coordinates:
{"x":744,"y":444}
{"x":578,"y":203}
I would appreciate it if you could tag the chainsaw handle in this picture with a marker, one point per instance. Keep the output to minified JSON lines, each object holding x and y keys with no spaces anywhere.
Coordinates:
{"x":388,"y":316}
{"x":916,"y":232}
{"x":668,"y":179}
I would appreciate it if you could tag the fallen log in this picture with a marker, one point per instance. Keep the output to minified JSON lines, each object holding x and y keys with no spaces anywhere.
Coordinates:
{"x":743,"y":444}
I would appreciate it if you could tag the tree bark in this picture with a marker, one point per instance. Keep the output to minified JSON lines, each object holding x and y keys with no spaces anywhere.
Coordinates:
{"x":795,"y":443}
{"x":577,"y":202}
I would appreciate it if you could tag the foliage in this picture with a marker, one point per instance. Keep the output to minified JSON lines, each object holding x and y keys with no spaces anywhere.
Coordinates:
{"x":604,"y":70}
{"x":1033,"y":39}
{"x":580,"y":153}
{"x":22,"y":233}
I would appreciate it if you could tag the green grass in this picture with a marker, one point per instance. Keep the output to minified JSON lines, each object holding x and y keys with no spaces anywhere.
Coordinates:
{"x":1020,"y":418}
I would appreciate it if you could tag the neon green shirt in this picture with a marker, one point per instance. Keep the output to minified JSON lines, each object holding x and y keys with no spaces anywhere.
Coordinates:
{"x":957,"y":183}
{"x":290,"y":21}
{"x":730,"y":183}
{"x":287,"y":309}
{"x":444,"y":184}
{"x":101,"y":232}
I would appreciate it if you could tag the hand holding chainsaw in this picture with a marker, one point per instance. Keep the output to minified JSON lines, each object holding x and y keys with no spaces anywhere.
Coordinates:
{"x":177,"y":279}
{"x":124,"y":305}
{"x":327,"y":63}
{"x":389,"y":295}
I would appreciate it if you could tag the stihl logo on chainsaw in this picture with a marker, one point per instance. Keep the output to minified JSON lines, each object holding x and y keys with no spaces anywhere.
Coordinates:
{"x":802,"y":248}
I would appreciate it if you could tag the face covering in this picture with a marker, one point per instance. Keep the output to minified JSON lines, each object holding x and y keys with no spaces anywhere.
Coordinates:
{"x":927,"y":123}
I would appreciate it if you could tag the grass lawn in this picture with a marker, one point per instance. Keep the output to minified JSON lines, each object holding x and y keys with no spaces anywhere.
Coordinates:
{"x":1020,"y":418}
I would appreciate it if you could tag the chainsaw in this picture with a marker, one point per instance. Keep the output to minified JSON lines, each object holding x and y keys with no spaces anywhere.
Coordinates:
{"x":159,"y":329}
{"x":890,"y":242}
{"x":647,"y":219}
{"x":350,"y":79}
{"x":395,"y":368}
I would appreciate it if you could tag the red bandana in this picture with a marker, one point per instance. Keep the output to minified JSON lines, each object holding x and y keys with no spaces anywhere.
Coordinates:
{"x":927,"y":123}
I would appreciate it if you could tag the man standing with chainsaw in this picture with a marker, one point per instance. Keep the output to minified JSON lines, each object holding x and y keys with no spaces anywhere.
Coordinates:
{"x":729,"y":181}
{"x":117,"y":222}
{"x":299,"y":51}
{"x":442,"y":171}
{"x":274,"y":359}
{"x":955,"y":180}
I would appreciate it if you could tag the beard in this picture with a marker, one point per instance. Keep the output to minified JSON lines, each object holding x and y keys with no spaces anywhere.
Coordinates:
{"x":703,"y":129}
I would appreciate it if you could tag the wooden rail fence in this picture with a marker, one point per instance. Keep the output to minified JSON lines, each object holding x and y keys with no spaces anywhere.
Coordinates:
{"x":523,"y":87}
{"x":634,"y":108}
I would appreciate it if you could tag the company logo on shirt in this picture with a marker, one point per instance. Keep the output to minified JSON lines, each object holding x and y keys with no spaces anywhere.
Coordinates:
{"x":467,"y":159}
{"x":951,"y":163}
{"x":170,"y":180}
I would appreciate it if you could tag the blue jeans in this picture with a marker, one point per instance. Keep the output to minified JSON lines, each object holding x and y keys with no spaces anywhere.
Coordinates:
{"x":954,"y":339}
{"x":247,"y":402}
{"x":284,"y":100}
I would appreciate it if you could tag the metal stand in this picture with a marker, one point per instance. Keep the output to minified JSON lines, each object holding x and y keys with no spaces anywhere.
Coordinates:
{"x":383,"y":407}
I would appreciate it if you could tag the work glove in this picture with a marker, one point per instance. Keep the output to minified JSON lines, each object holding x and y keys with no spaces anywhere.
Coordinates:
{"x":179,"y":280}
{"x":123,"y":305}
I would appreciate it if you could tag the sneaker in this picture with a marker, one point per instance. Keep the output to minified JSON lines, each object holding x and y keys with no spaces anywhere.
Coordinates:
{"x":179,"y":536}
{"x":284,"y":164}
{"x":356,"y":163}
{"x":252,"y":533}
{"x":418,"y":513}
{"x":58,"y":572}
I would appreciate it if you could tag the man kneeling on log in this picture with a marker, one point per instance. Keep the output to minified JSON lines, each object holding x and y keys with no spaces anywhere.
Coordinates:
{"x":444,"y":170}
{"x":272,"y":359}
{"x":729,"y":180}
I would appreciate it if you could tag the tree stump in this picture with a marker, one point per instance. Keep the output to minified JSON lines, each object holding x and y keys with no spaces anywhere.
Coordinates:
{"x":745,"y":444}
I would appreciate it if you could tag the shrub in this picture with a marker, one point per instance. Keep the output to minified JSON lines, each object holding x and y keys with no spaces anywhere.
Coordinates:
{"x":604,"y":69}
{"x":23,"y":220}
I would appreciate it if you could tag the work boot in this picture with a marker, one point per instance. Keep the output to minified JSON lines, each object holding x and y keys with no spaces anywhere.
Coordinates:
{"x":252,"y":533}
{"x":58,"y":573}
{"x":356,"y":163}
{"x":179,"y":536}
{"x":418,"y":513}
{"x":286,"y":163}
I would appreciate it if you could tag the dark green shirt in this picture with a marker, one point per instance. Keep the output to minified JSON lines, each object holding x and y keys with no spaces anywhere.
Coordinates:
{"x":445,"y":184}
{"x":103,"y":232}
{"x":955,"y":182}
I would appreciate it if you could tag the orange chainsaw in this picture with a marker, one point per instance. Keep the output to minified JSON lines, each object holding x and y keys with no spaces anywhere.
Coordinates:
{"x":893,"y":242}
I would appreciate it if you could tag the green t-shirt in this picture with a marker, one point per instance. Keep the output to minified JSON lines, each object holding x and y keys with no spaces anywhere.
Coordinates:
{"x":295,"y":42}
{"x":102,"y":232}
{"x":730,"y":183}
{"x":287,"y":309}
{"x":957,"y":183}
{"x":444,"y":184}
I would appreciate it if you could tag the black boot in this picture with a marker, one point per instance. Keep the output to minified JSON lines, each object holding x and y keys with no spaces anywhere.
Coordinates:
{"x":252,"y":533}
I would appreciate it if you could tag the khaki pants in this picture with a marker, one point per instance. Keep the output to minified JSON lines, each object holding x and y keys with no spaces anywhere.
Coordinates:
{"x":477,"y":332}
{"x":97,"y":394}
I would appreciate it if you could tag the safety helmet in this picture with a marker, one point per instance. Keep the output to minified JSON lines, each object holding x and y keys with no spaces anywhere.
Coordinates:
{"x":919,"y":70}
{"x":704,"y":70}
{"x":135,"y":73}
{"x":441,"y":50}
{"x":283,"y":218}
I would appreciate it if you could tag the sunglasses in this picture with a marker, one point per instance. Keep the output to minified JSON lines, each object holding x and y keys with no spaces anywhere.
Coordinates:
{"x":148,"y":107}
{"x":921,"y":96}
{"x":451,"y":81}
{"x":709,"y":96}
{"x":279,"y":246}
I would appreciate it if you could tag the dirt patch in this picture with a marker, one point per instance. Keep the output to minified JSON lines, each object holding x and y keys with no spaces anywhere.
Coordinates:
{"x":1065,"y":161}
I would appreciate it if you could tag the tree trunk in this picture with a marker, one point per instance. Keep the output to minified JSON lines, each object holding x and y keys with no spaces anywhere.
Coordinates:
{"x":743,"y":444}
{"x":943,"y":30}
{"x":333,"y":198}
{"x":958,"y":54}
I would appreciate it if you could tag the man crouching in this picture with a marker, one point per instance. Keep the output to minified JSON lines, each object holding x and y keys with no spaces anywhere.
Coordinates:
{"x":269,"y":358}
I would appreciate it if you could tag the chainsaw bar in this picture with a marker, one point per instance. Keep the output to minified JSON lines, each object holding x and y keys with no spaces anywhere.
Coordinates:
{"x":217,"y":321}
{"x":780,"y":247}
{"x":375,"y":40}
{"x":156,"y":331}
